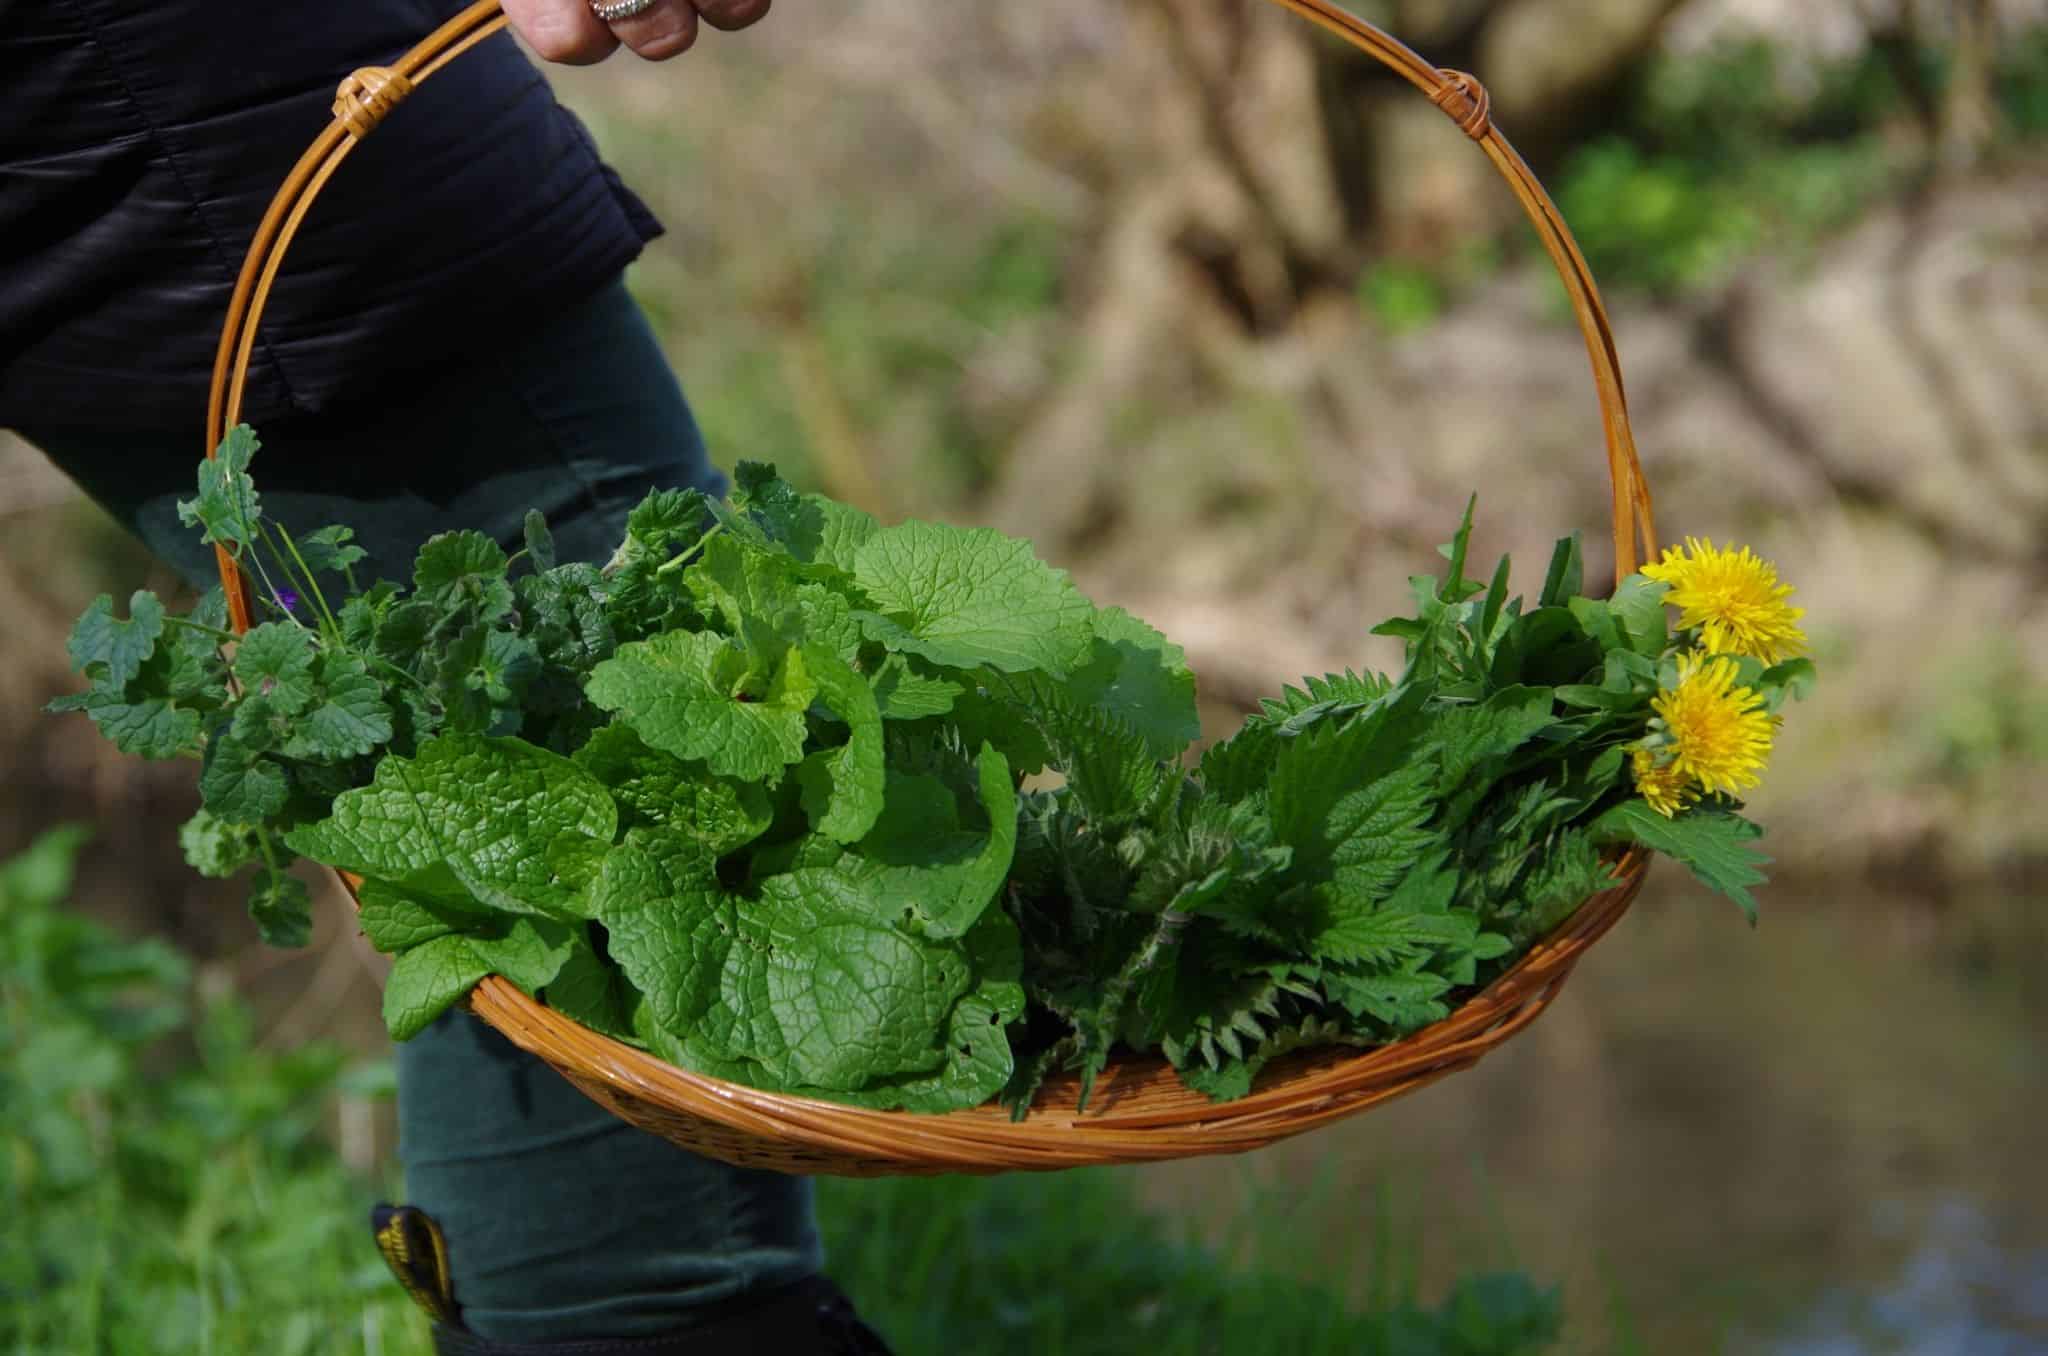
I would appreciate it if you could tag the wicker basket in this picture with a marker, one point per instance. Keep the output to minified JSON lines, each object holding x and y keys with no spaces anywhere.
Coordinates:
{"x":1139,"y":1111}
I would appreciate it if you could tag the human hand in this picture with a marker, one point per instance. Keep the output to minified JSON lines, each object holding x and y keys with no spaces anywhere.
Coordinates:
{"x":569,"y":31}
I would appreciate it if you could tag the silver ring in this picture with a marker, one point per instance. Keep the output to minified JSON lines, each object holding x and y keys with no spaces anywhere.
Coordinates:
{"x":611,"y":11}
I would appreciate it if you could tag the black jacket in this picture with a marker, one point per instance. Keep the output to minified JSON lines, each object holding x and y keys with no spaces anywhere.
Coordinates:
{"x":141,"y":140}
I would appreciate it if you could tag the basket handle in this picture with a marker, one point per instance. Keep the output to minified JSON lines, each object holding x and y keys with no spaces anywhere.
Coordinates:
{"x":369,"y":94}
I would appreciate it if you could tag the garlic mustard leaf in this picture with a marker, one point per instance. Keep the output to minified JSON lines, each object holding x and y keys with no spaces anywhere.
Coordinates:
{"x":967,"y":597}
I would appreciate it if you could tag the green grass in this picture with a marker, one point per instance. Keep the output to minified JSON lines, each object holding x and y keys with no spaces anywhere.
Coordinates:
{"x":169,"y":1189}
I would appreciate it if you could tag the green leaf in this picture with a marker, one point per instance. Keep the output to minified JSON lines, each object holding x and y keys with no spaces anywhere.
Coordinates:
{"x":528,"y":951}
{"x":1352,"y":804}
{"x":218,"y":848}
{"x":490,"y":810}
{"x":1715,"y":845}
{"x":275,"y":661}
{"x":394,"y":918}
{"x":803,"y":981}
{"x":592,"y":991}
{"x":918,"y":861}
{"x":238,"y":783}
{"x":903,"y":693}
{"x":428,"y":980}
{"x":969,"y":597}
{"x":282,"y":908}
{"x":682,"y":692}
{"x":540,"y":543}
{"x":153,"y":727}
{"x":1567,"y":575}
{"x":226,"y":506}
{"x":350,"y":718}
{"x":463,"y":569}
{"x":657,"y":789}
{"x":330,"y":550}
{"x":842,"y":787}
{"x":1137,"y":675}
{"x":113,"y":651}
{"x":1638,"y":604}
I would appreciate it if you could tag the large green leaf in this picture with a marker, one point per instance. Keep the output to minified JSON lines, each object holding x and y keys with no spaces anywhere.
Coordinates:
{"x":968,"y":597}
{"x":688,"y":693}
{"x":490,"y":810}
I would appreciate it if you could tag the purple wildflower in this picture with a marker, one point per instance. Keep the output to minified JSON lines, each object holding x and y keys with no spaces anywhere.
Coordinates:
{"x":287,"y":599}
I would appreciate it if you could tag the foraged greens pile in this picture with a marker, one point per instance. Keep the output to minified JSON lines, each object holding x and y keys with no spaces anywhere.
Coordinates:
{"x":750,"y":795}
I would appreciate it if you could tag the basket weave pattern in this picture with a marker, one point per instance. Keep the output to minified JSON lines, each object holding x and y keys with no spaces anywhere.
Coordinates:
{"x":1139,"y":1111}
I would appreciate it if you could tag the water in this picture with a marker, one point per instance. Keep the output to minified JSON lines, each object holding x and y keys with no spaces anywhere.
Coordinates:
{"x":1820,"y":1138}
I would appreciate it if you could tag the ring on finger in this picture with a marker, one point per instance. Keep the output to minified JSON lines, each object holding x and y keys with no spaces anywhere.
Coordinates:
{"x":612,"y":11}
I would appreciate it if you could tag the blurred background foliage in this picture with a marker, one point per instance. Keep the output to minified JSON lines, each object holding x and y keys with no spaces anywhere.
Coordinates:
{"x":1231,"y":323}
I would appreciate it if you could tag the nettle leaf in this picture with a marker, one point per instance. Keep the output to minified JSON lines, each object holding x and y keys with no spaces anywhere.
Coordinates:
{"x":1405,"y":1000}
{"x":1350,"y":802}
{"x":226,"y":507}
{"x":350,"y":718}
{"x":282,"y":908}
{"x":969,"y":597}
{"x":685,"y":693}
{"x":110,"y":650}
{"x":488,"y":809}
{"x":275,"y":661}
{"x":842,"y":787}
{"x":1715,"y":845}
{"x":464,"y":569}
{"x":1415,"y":921}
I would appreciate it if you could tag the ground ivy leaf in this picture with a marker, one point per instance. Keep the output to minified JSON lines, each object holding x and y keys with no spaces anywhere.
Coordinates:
{"x":351,"y":718}
{"x":458,"y":568}
{"x":680,"y":692}
{"x":150,"y":728}
{"x":226,"y":506}
{"x":426,"y":981}
{"x":968,"y":597}
{"x":116,"y":648}
{"x":489,"y":809}
{"x":217,"y":848}
{"x":275,"y":661}
{"x":282,"y":908}
{"x":239,"y":783}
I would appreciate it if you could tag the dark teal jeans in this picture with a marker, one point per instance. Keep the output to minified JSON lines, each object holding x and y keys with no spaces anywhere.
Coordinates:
{"x":562,"y":1222}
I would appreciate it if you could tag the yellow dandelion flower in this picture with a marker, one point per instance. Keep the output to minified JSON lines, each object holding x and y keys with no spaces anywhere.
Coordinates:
{"x":1720,"y":733}
{"x":1734,"y":600}
{"x":1666,"y":788}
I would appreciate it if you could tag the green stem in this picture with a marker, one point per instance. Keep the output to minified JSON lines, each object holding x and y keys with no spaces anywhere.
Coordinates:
{"x":329,"y":626}
{"x":686,"y":557}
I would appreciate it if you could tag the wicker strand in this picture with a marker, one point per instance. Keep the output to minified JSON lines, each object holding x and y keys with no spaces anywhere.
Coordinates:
{"x":1467,"y":101}
{"x":367,"y":97}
